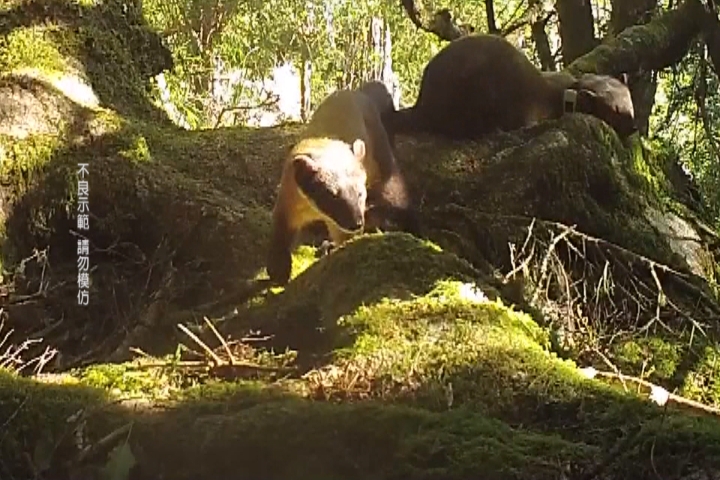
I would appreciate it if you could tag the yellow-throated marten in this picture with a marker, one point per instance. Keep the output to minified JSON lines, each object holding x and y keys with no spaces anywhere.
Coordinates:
{"x":479,"y":84}
{"x":342,"y":162}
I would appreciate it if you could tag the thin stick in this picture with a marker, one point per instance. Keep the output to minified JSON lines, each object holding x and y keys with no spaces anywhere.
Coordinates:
{"x":207,"y":349}
{"x":670,"y":396}
{"x":222,"y":340}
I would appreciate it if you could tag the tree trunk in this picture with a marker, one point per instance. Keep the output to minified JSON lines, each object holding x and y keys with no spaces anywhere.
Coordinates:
{"x":540,"y":38}
{"x":376,"y":51}
{"x":490,"y":16}
{"x":633,"y":50}
{"x":305,"y":85}
{"x":643,"y":85}
{"x":577,"y":28}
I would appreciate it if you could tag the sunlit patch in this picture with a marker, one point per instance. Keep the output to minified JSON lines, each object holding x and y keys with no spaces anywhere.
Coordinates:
{"x":71,"y":86}
{"x":470,"y":291}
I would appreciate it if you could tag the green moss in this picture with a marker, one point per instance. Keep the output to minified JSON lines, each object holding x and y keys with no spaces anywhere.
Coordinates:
{"x":129,"y":380}
{"x":303,"y":257}
{"x":21,"y":164}
{"x":513,"y":404}
{"x":138,"y":150}
{"x":442,"y":382}
{"x":642,"y":166}
{"x":378,"y":262}
{"x":31,"y":47}
{"x":21,"y":158}
{"x":703,"y":382}
{"x":26,"y":163}
{"x":102,"y":45}
{"x":107,"y":122}
{"x":652,"y":356}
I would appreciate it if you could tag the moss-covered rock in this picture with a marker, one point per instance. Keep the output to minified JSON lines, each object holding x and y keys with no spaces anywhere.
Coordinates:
{"x":445,"y":384}
{"x":98,"y":53}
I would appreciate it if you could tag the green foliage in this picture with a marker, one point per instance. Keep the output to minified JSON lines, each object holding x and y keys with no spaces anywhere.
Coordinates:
{"x":334,"y":37}
{"x":118,"y":378}
{"x":687,"y":132}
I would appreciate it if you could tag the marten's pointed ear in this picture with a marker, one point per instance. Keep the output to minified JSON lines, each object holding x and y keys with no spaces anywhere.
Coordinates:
{"x":305,"y":169}
{"x":358,"y":149}
{"x":623,"y":77}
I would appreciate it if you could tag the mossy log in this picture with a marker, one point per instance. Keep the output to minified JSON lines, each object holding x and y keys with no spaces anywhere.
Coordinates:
{"x":414,"y":367}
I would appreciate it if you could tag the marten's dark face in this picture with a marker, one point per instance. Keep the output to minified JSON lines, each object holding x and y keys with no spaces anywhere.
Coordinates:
{"x":336,"y":188}
{"x":609,"y":99}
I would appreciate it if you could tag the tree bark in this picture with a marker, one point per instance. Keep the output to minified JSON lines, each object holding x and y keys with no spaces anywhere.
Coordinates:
{"x":540,"y":38}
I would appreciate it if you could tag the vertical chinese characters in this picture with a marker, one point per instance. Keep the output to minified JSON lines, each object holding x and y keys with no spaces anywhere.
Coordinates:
{"x":83,"y":224}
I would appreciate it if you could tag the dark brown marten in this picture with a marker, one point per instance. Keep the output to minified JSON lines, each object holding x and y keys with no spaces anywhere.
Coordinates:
{"x":480,"y":84}
{"x":380,"y":210}
{"x":342,"y":160}
{"x":381,"y":97}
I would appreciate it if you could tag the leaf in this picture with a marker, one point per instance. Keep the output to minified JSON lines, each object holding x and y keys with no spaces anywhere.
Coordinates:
{"x":119,"y":464}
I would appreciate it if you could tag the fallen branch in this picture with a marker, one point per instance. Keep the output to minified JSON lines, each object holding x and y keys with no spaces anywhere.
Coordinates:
{"x":657,"y":393}
{"x":217,"y":366}
{"x":202,"y":344}
{"x":191,"y":365}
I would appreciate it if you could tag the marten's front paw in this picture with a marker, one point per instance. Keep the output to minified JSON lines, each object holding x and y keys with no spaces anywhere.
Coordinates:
{"x":278,"y":269}
{"x":324,"y":249}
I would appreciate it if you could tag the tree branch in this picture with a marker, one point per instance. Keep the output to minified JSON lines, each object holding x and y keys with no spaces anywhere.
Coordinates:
{"x":441,"y":25}
{"x":712,"y":36}
{"x":490,"y":15}
{"x":630,"y":51}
